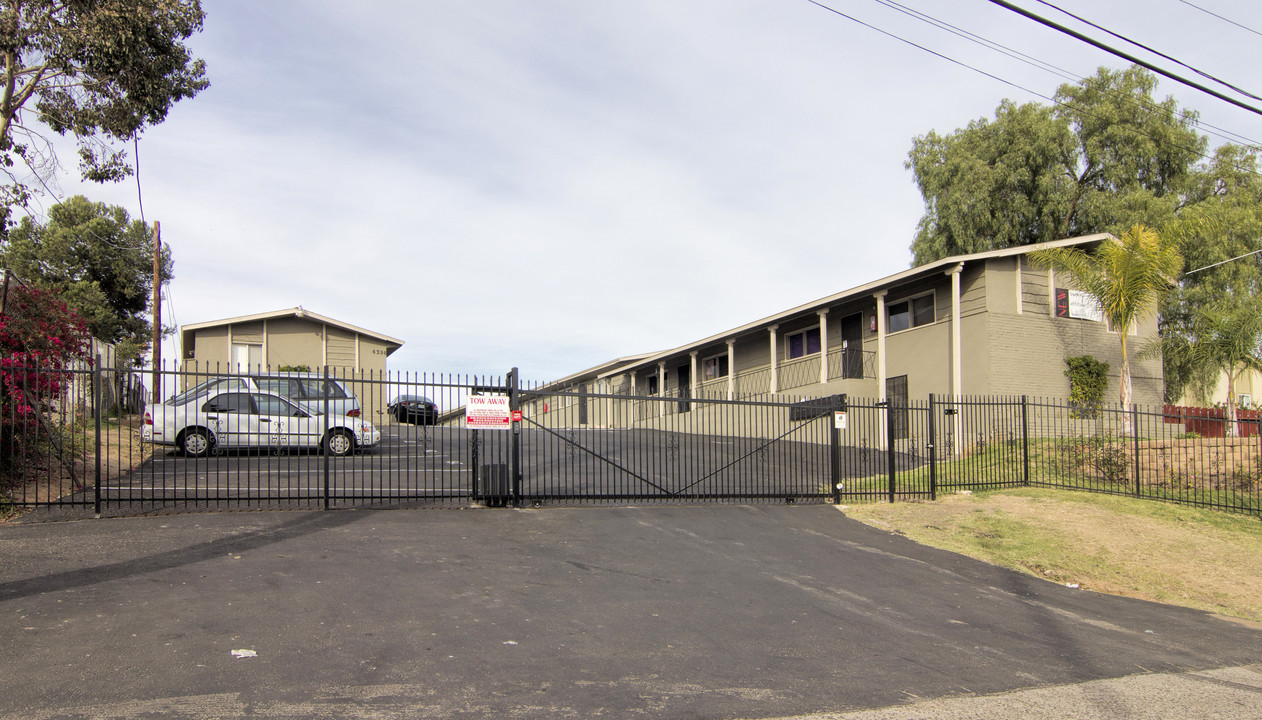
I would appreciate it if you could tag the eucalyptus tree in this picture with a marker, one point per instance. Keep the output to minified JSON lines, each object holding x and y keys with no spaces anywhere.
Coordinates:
{"x":100,"y":71}
{"x":1127,"y":277}
{"x":1103,"y":157}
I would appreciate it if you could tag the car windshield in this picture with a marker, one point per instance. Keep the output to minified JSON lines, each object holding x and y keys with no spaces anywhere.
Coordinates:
{"x":205,"y":388}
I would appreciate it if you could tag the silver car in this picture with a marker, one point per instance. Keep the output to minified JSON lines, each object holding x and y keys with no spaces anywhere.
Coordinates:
{"x":242,"y":418}
{"x":305,"y":388}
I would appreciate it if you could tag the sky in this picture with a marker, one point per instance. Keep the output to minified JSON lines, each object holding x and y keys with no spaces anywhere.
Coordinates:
{"x":554,"y":184}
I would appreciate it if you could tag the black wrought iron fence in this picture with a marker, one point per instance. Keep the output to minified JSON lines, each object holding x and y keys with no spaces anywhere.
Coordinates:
{"x":61,"y":447}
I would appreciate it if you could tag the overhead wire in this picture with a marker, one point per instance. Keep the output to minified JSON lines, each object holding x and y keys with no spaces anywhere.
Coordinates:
{"x":1050,"y":68}
{"x":1010,"y":83}
{"x":1005,"y":81}
{"x":1158,"y":53}
{"x":1220,"y":17}
{"x":1124,"y":55}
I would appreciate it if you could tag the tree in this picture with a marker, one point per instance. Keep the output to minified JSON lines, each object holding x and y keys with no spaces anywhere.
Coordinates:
{"x":101,"y":70}
{"x":1105,"y":157}
{"x":1212,"y":324}
{"x":1126,"y":277}
{"x":100,"y":260}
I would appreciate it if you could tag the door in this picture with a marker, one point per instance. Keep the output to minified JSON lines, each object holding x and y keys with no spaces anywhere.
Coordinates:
{"x":896,"y":394}
{"x":852,"y":346}
{"x":232,"y":418}
{"x":284,"y":424}
{"x":684,"y":376}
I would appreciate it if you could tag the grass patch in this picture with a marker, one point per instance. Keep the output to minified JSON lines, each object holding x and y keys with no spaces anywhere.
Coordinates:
{"x":1113,"y":544}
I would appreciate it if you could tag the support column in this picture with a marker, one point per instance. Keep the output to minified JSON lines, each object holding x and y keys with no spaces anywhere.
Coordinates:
{"x":880,"y":343}
{"x":692,"y":374}
{"x":956,"y":371}
{"x":774,"y":384}
{"x":1051,"y":292}
{"x":731,"y":369}
{"x":1020,"y":288}
{"x":823,"y":345}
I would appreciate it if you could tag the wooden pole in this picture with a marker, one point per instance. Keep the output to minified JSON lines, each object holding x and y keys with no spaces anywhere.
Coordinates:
{"x":155,"y":395}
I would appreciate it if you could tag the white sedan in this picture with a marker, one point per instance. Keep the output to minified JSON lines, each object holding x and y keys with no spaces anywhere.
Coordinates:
{"x":237,"y":418}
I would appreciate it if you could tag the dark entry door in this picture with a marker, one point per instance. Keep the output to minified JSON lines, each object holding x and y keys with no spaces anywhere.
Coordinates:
{"x":684,"y":376}
{"x":852,"y":346}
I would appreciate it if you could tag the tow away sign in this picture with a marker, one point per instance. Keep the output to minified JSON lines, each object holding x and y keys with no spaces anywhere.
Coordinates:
{"x":487,"y":412}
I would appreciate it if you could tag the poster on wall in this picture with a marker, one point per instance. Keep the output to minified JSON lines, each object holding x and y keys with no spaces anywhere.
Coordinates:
{"x":1077,"y":304}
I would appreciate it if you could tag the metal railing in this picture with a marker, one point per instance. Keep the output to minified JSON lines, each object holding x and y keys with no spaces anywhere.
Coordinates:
{"x":60,"y":447}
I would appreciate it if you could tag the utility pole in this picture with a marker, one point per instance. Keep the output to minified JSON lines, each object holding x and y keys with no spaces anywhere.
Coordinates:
{"x":156,"y":393}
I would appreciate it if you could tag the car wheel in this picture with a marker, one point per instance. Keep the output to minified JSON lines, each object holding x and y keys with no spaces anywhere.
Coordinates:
{"x":196,"y":442}
{"x":339,"y":443}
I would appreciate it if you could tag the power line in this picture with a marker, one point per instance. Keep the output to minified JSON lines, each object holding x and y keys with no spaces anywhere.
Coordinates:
{"x":1158,"y":53}
{"x":1037,"y":94}
{"x":1126,"y":56}
{"x":1220,"y":17}
{"x":1050,"y":68}
{"x":1224,"y":262}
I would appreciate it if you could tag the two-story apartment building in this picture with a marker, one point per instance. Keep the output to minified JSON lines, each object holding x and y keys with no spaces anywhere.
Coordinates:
{"x":990,"y":323}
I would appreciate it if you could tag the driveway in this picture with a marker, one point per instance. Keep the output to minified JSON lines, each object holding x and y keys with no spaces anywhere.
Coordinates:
{"x":706,"y":612}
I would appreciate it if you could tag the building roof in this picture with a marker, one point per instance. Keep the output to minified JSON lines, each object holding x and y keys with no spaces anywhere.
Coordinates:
{"x":934,"y":267}
{"x":299,"y":312}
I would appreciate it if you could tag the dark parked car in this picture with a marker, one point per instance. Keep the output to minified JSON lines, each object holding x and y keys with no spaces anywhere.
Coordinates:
{"x":415,"y":409}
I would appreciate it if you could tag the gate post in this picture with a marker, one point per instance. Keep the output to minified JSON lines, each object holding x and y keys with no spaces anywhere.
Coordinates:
{"x":1135,"y":432}
{"x":834,"y":461}
{"x":474,"y":460}
{"x":96,"y":414}
{"x":933,"y":455}
{"x":1025,"y":440}
{"x":889,"y":444}
{"x":324,"y":435}
{"x":514,"y":405}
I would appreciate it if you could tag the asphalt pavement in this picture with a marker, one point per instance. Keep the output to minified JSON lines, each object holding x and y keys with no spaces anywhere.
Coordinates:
{"x":669,"y":611}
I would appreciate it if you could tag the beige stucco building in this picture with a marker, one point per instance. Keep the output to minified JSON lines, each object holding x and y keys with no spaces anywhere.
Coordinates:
{"x":990,"y":323}
{"x":289,"y":338}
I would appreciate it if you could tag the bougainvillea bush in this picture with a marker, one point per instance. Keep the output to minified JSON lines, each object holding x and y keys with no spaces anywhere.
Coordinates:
{"x":39,"y":337}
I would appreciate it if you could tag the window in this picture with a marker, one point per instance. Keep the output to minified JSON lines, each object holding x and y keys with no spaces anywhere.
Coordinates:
{"x":714,"y":368}
{"x":316,"y":388}
{"x":272,"y":405}
{"x":803,"y":343}
{"x":247,"y":355}
{"x":204,"y":389}
{"x":229,"y":403}
{"x":281,"y":386}
{"x":910,"y":313}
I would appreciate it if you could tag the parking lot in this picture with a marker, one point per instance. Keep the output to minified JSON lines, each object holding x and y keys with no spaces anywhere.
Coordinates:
{"x":418,"y":464}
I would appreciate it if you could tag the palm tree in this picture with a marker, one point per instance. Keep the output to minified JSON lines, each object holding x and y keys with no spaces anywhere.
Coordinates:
{"x":1226,"y":337}
{"x":1126,"y":276}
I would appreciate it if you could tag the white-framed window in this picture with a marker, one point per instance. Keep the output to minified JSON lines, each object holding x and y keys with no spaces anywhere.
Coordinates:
{"x":247,"y":355}
{"x":910,"y":313}
{"x":1134,"y":329}
{"x":802,"y":343}
{"x":713,"y":368}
